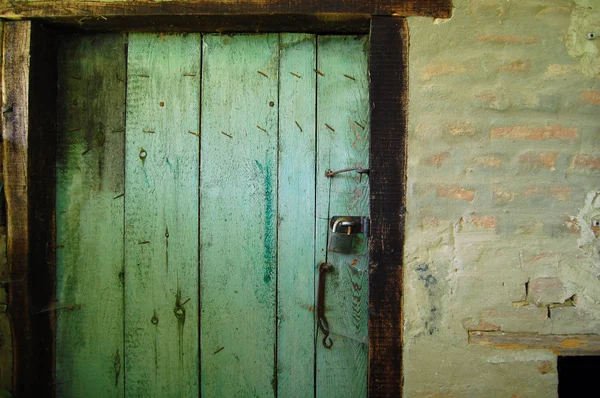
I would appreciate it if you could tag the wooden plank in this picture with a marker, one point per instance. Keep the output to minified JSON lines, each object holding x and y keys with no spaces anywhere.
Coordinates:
{"x":343,"y":141}
{"x":29,"y":128}
{"x":389,"y":99}
{"x":89,"y":222}
{"x":6,"y":354}
{"x":238,"y":213}
{"x":49,"y":8}
{"x":295,"y":265}
{"x":161,"y":202}
{"x":255,"y":23}
{"x":563,"y":344}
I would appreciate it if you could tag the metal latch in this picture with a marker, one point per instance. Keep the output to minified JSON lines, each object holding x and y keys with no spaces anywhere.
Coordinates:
{"x":343,"y":233}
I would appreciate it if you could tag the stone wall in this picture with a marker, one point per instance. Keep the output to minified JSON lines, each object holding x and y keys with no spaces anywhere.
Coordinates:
{"x":503,"y":192}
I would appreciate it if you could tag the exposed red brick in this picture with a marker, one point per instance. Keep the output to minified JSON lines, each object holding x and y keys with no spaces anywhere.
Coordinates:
{"x":584,"y":161}
{"x":544,"y":367}
{"x":463,"y":128}
{"x":493,"y":100}
{"x":544,"y":160}
{"x":441,"y":69}
{"x":487,"y":222}
{"x":454,"y":192}
{"x":438,"y":160}
{"x":572,"y":225}
{"x":558,"y":70}
{"x":534,"y":191}
{"x":561,"y":192}
{"x":534,"y":133}
{"x":507,"y":39}
{"x":489,"y":161}
{"x":591,"y":96}
{"x":515,"y":66}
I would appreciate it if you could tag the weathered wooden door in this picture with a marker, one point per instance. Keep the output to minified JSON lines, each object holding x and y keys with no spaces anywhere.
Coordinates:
{"x":193,"y":210}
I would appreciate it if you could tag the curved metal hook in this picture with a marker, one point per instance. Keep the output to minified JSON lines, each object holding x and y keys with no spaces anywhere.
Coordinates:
{"x":321,"y":320}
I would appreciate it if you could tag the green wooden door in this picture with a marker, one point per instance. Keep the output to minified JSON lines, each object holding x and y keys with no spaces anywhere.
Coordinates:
{"x":193,"y":210}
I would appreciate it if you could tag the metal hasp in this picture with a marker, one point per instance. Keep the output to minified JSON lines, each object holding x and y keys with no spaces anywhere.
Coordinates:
{"x":329,"y":173}
{"x":321,"y":320}
{"x":343,"y":233}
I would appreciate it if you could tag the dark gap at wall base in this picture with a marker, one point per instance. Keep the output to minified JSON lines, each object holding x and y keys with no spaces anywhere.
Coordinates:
{"x":577,"y":376}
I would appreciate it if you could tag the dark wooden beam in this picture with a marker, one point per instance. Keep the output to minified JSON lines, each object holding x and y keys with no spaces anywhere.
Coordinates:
{"x":255,"y":23}
{"x":74,"y":8}
{"x":28,"y":119}
{"x":561,"y":344}
{"x":389,"y":97}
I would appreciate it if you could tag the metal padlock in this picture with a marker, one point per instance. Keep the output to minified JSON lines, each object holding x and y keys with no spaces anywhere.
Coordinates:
{"x":341,"y":235}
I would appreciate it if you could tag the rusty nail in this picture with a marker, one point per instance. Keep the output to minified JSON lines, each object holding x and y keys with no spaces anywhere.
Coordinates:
{"x":329,"y":127}
{"x":319,"y":72}
{"x":260,"y":128}
{"x":297,"y":75}
{"x":263,"y":73}
{"x":349,"y":77}
{"x":194,"y":133}
{"x":226,"y":135}
{"x":298,"y":124}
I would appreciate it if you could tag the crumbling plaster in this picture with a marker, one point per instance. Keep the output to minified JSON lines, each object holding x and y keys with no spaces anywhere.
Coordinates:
{"x":503,"y":191}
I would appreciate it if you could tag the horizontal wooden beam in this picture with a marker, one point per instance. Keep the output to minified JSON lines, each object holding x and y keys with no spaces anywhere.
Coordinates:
{"x":560,"y":344}
{"x":75,"y":8}
{"x":255,"y":23}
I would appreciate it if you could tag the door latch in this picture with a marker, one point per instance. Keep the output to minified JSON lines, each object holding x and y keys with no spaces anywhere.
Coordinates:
{"x":324,"y":268}
{"x":343,"y":233}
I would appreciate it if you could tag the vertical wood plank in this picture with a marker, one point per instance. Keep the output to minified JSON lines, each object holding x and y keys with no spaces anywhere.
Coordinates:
{"x":389,"y":98}
{"x":6,"y":354}
{"x":29,"y":128}
{"x":343,"y":141}
{"x":238,"y":213}
{"x":161,"y":204}
{"x":90,"y":209}
{"x":295,"y":270}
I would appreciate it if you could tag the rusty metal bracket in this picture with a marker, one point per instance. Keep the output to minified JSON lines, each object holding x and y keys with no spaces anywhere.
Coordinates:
{"x":329,"y":173}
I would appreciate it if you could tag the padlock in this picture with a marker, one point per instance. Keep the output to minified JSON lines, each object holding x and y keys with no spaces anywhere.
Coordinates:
{"x":341,"y":236}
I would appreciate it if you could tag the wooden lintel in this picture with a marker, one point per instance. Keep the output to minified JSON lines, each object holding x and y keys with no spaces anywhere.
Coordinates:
{"x":75,"y":8}
{"x":560,"y":344}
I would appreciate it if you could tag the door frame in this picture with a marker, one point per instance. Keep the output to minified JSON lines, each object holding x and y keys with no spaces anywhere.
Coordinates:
{"x":29,"y":78}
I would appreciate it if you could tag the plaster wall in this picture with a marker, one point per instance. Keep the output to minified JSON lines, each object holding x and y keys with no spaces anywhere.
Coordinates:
{"x":503,"y":193}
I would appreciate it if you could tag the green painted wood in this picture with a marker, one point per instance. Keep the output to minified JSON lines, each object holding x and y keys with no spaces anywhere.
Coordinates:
{"x":161,"y":205}
{"x":89,"y":216}
{"x":295,"y":270}
{"x":238,"y":210}
{"x":343,"y":141}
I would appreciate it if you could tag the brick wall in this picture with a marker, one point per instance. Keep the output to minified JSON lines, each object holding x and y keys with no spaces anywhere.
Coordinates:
{"x":503,"y":190}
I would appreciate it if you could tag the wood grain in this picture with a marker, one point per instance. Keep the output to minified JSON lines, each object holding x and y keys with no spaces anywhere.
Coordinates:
{"x":295,"y":267}
{"x":343,"y":141}
{"x":47,"y":8}
{"x":90,"y":210}
{"x":238,"y":213}
{"x":236,"y":23}
{"x":29,"y":129}
{"x":389,"y":98}
{"x":6,"y":352}
{"x":566,"y":344}
{"x":161,"y":205}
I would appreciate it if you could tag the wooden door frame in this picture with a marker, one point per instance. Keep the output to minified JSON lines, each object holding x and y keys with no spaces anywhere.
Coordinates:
{"x":29,"y":132}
